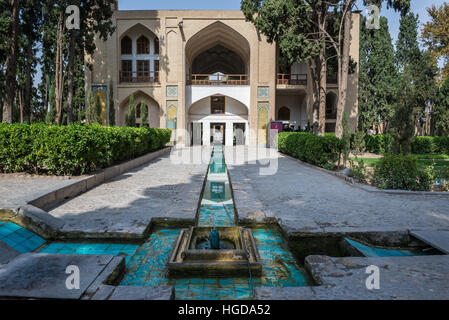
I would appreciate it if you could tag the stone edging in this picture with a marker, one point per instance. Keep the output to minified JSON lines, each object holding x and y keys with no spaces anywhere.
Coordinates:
{"x":33,"y":215}
{"x":350,"y":181}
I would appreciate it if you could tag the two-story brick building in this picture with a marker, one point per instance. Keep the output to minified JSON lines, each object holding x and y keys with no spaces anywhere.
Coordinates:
{"x":206,"y":72}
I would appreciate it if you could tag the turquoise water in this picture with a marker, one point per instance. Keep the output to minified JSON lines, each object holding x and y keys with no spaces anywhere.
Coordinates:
{"x":19,"y":238}
{"x":217,"y":206}
{"x":370,"y":251}
{"x":148,"y":268}
{"x":91,"y":249}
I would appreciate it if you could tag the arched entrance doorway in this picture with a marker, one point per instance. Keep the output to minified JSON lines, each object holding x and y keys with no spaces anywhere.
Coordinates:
{"x":218,"y":119}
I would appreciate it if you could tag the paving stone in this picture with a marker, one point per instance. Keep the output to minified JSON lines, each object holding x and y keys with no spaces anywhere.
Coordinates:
{"x":436,"y":239}
{"x":128,"y":203}
{"x":143,"y":293}
{"x":7,"y":253}
{"x":304,"y":199}
{"x":401,"y":278}
{"x":42,"y":276}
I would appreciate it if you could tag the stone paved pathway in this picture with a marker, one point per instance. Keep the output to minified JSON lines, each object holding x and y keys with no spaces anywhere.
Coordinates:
{"x":127,"y":203}
{"x":17,"y":190}
{"x":309,"y":200}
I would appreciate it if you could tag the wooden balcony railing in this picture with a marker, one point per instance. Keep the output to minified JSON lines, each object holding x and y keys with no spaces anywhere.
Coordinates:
{"x":139,"y":77}
{"x":218,"y":79}
{"x":292,"y":79}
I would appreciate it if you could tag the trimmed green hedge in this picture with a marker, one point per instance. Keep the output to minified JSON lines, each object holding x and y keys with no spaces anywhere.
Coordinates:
{"x":381,"y":143}
{"x":320,"y":151}
{"x":74,"y":149}
{"x":397,"y":172}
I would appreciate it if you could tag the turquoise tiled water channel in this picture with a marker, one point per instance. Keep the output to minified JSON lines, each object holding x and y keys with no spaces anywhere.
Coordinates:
{"x":217,"y":207}
{"x":370,"y":251}
{"x":91,"y":248}
{"x":148,"y":268}
{"x":19,"y":238}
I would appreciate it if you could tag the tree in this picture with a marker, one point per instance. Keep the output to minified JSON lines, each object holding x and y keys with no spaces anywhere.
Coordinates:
{"x":95,"y":18}
{"x":436,"y":36}
{"x":441,"y":112}
{"x":417,"y":85}
{"x":378,"y":83}
{"x":143,"y":114}
{"x":11,"y":66}
{"x":130,"y":116}
{"x":51,"y":113}
{"x":93,"y":109}
{"x":303,"y":30}
{"x":111,"y":105}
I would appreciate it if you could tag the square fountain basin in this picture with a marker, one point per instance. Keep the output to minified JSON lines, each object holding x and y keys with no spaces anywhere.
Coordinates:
{"x":189,"y":258}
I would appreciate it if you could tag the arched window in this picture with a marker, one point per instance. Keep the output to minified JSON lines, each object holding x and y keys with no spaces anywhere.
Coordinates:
{"x":156,"y":45}
{"x":331,"y":106}
{"x":284,"y":114}
{"x":143,"y":45}
{"x":127,"y":45}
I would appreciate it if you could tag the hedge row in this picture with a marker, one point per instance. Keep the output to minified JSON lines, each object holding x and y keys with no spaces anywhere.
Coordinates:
{"x":320,"y":151}
{"x":397,"y":172}
{"x":74,"y":149}
{"x":381,"y":143}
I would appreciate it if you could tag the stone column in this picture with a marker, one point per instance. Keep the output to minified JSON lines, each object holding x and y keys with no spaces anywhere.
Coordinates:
{"x":206,"y":133}
{"x":229,"y":133}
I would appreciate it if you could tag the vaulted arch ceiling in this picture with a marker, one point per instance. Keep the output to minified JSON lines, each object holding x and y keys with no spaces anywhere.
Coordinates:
{"x":218,"y":39}
{"x":218,"y":59}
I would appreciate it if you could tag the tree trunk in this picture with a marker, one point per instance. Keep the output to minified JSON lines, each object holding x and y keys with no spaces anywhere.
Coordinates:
{"x":46,"y":93}
{"x":344,"y":71}
{"x":315,"y":72}
{"x":11,"y":67}
{"x":59,"y":75}
{"x":70,"y":69}
{"x":322,"y":93}
{"x":28,"y":85}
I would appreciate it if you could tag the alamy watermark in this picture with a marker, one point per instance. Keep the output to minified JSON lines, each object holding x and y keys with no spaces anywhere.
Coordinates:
{"x":73,"y":20}
{"x":73,"y":280}
{"x":373,"y":19}
{"x":373,"y":280}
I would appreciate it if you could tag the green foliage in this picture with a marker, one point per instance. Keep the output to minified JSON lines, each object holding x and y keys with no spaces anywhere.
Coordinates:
{"x":378,"y":144}
{"x":378,"y":83}
{"x":417,"y":85}
{"x":130,"y":116}
{"x":423,"y":145}
{"x":111,"y":105}
{"x":402,"y":172}
{"x":441,"y":111}
{"x":358,"y":143}
{"x":429,"y":145}
{"x":93,"y":109}
{"x":346,"y":137}
{"x":143,"y":114}
{"x":320,"y":151}
{"x":74,"y":149}
{"x":358,"y":170}
{"x":51,"y":113}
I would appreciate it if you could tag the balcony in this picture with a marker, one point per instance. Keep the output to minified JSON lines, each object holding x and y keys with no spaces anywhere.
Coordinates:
{"x":292,"y":79}
{"x":218,"y":80}
{"x":139,"y":77}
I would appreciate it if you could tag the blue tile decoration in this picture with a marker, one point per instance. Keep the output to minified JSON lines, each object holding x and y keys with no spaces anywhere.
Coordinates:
{"x":370,"y":251}
{"x":19,"y":238}
{"x":263,"y":92}
{"x":148,"y":268}
{"x":172,"y":91}
{"x":91,"y":249}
